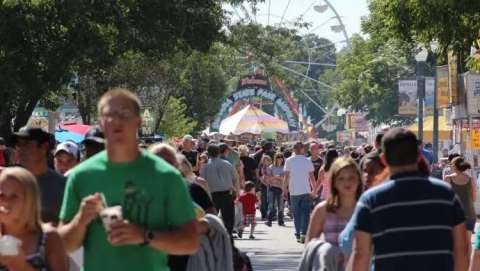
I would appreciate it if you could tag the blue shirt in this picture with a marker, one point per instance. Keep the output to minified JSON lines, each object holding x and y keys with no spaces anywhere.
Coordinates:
{"x":410,"y":219}
{"x":428,"y":155}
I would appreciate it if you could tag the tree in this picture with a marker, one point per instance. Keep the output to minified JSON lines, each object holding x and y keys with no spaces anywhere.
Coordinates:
{"x":45,"y":42}
{"x":205,"y":85}
{"x":454,"y":25}
{"x":175,"y":122}
{"x":369,"y":74}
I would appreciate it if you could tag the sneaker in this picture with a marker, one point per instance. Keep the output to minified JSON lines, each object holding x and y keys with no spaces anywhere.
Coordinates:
{"x":251,"y":237}
{"x":268,"y":223}
{"x":240,"y":233}
{"x":302,"y":239}
{"x":281,"y":223}
{"x":297,"y":236}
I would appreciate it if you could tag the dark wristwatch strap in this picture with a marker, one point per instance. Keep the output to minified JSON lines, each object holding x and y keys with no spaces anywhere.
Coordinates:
{"x":148,"y":236}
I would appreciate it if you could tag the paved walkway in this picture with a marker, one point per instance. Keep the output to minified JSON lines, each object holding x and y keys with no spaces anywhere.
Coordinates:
{"x":274,"y":248}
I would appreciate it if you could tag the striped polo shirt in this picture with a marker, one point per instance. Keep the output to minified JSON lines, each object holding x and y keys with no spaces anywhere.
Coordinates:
{"x":410,"y":218}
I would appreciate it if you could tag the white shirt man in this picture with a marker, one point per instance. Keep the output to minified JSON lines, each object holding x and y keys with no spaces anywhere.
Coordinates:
{"x":299,"y":178}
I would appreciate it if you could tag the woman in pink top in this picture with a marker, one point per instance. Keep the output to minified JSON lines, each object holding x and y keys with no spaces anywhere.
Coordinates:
{"x":331,"y":216}
{"x":322,"y":186}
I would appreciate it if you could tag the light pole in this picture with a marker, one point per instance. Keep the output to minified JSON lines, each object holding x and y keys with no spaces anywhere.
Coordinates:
{"x":421,"y":59}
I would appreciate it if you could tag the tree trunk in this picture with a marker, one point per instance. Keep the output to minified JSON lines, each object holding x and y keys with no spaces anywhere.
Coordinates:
{"x":24,"y":112}
{"x":5,"y":123}
{"x":161,"y":111}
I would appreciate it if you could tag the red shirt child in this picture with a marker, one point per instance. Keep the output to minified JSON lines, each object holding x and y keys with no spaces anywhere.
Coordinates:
{"x":248,"y":200}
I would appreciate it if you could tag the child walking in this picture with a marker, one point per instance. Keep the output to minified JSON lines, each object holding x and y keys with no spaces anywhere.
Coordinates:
{"x":248,"y":200}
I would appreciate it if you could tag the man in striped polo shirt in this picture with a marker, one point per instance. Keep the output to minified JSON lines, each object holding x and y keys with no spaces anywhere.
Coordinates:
{"x":413,"y":221}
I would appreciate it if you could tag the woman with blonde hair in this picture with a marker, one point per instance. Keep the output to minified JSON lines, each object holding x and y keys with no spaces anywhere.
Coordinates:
{"x":39,"y":249}
{"x":332,"y":215}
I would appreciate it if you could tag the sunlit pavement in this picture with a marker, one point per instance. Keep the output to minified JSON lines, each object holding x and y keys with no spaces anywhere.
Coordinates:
{"x":274,"y":248}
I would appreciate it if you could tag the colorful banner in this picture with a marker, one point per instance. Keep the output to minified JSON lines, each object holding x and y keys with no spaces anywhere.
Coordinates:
{"x":473,"y":93}
{"x":429,"y":95}
{"x":407,"y":97}
{"x":443,"y":98}
{"x":452,"y":73}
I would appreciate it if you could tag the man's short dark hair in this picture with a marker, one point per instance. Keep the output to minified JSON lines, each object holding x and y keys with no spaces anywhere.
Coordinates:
{"x":400,"y":147}
{"x":213,"y":150}
{"x":223,"y":147}
{"x":298,"y":146}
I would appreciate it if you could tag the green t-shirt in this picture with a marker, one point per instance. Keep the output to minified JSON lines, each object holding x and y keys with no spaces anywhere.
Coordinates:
{"x":152,"y":194}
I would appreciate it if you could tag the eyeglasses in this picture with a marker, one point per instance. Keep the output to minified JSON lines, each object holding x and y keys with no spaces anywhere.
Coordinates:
{"x":120,"y":115}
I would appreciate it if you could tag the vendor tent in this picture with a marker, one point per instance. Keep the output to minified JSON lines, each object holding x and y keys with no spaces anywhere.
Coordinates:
{"x":444,"y":130}
{"x":254,"y":121}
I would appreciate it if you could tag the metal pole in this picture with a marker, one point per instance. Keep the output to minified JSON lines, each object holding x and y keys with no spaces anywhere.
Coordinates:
{"x":435,"y":113}
{"x":421,"y":98}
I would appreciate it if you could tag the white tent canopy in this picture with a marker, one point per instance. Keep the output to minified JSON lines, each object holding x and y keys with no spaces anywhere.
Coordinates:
{"x":254,"y":121}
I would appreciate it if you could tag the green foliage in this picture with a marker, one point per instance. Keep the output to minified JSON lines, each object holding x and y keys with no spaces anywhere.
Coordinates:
{"x":175,"y":122}
{"x":370,"y":73}
{"x":205,"y":85}
{"x":275,"y":47}
{"x":453,"y":24}
{"x":45,"y":42}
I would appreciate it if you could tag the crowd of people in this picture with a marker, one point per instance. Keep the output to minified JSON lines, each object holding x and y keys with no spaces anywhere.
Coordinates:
{"x":121,"y":206}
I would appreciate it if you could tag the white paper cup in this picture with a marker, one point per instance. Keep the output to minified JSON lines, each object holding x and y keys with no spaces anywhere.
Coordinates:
{"x":111,"y":215}
{"x":9,"y":245}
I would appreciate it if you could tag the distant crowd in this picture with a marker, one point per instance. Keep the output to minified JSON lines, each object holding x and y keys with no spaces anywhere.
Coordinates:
{"x":108,"y":203}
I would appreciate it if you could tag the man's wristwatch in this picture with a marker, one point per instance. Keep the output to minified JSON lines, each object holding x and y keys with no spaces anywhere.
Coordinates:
{"x":148,"y":236}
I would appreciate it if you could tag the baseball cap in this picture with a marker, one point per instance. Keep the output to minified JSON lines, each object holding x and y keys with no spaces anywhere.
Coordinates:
{"x":31,"y":133}
{"x":68,"y":147}
{"x":94,"y":134}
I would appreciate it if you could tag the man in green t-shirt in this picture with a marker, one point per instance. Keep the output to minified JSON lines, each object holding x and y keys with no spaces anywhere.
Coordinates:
{"x":158,"y":216}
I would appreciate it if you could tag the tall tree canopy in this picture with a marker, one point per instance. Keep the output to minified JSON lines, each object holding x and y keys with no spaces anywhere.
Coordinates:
{"x":45,"y":41}
{"x":455,"y":25}
{"x":369,"y":73}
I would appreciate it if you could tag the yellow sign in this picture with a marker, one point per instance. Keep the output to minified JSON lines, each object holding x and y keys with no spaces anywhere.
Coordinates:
{"x":443,"y":98}
{"x":452,"y":71}
{"x":475,"y":139}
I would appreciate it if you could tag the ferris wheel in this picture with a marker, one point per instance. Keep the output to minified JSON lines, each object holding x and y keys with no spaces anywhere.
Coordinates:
{"x":324,"y":21}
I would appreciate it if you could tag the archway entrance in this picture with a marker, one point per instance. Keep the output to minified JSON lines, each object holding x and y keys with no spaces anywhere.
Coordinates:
{"x":256,"y":90}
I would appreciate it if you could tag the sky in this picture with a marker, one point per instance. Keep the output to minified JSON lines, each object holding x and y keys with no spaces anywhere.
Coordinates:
{"x":350,"y":12}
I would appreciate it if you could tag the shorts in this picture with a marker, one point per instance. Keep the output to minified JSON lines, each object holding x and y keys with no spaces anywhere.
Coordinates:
{"x":470,"y":225}
{"x":249,"y":220}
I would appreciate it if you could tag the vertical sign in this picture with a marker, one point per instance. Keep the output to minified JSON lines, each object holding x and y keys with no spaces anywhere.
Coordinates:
{"x":429,"y":95}
{"x":442,"y":87}
{"x":475,"y":140}
{"x":452,"y":82}
{"x":407,"y":97}
{"x":473,"y":93}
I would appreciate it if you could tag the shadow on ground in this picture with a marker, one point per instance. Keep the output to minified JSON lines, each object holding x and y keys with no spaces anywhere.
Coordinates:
{"x":278,"y":261}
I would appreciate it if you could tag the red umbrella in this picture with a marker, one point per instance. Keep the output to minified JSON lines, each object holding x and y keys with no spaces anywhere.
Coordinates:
{"x":77,"y":128}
